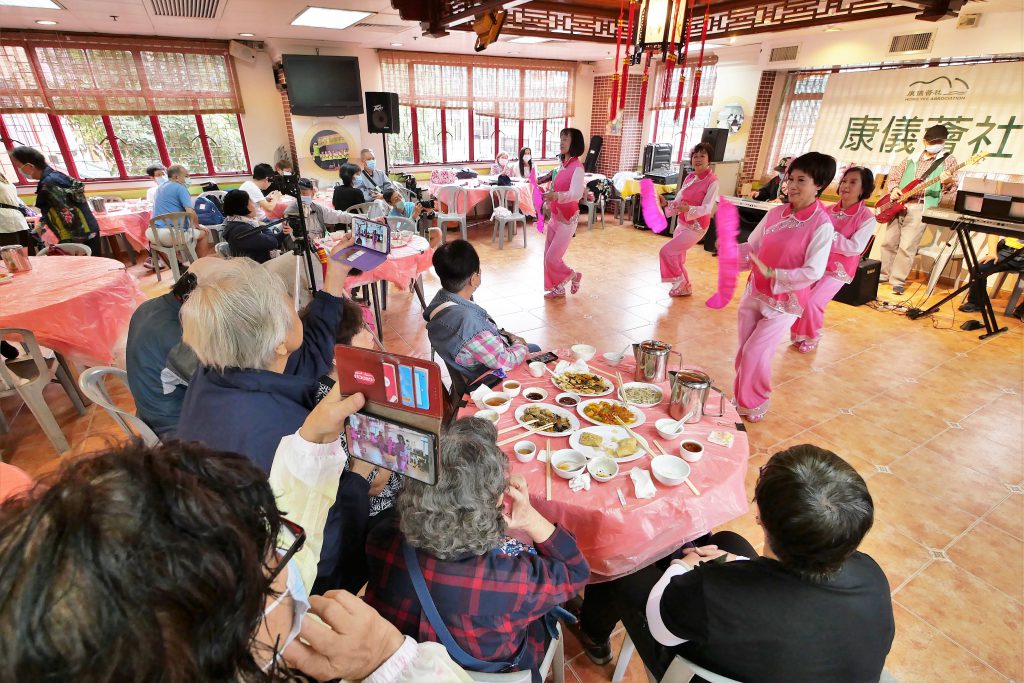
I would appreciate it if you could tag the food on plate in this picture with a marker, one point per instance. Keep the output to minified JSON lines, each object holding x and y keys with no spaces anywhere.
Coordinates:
{"x":545,"y":420}
{"x":626,"y":447}
{"x":609,"y":413}
{"x":643,"y":395}
{"x":591,"y":439}
{"x":583,"y":383}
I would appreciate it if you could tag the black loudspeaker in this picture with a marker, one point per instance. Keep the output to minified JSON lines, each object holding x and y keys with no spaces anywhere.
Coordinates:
{"x":590,"y":165}
{"x":382,"y":112}
{"x":717,"y":138}
{"x":657,"y":156}
{"x":864,"y":287}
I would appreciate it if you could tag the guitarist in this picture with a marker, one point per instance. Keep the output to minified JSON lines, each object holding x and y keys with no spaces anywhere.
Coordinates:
{"x":903,"y":233}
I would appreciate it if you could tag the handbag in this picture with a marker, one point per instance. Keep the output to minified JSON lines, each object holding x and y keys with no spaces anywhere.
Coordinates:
{"x":461,"y":657}
{"x":442,"y":176}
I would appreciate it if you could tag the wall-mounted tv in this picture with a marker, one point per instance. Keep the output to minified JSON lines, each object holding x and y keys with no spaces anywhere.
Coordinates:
{"x":323,"y":85}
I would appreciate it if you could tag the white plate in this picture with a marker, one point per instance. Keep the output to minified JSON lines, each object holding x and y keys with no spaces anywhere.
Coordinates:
{"x":608,"y":386}
{"x":638,"y":415}
{"x":605,"y":433}
{"x":574,"y":423}
{"x":642,"y":385}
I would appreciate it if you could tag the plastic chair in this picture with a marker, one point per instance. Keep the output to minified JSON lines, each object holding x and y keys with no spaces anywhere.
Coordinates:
{"x":592,"y":208}
{"x":223,"y":249}
{"x":402,"y":223}
{"x":946,"y":247}
{"x":28,"y":375}
{"x":1015,"y":295}
{"x":72,"y":249}
{"x":553,"y":663}
{"x":91,"y":384}
{"x":181,"y":243}
{"x":218,"y":194}
{"x":506,"y":198}
{"x":456,"y":202}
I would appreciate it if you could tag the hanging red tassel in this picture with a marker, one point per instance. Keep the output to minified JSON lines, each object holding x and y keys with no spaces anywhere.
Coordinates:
{"x":625,"y":59}
{"x":687,"y":20}
{"x":670,"y":58}
{"x":700,"y":62}
{"x":613,"y":108}
{"x":643,"y":89}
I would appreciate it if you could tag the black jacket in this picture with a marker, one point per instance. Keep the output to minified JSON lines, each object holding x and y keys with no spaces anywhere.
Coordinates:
{"x":252,"y":241}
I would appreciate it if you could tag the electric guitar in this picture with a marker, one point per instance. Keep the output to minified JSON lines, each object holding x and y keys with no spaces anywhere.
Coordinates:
{"x":886,"y":209}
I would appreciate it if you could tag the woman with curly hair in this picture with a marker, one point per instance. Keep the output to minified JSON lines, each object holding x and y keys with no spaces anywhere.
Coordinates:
{"x":490,"y":591}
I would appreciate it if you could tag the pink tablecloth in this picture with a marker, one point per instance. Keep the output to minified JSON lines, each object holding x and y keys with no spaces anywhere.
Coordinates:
{"x":132,"y":224}
{"x":403,"y":265}
{"x":77,"y":305}
{"x":619,"y":540}
{"x":480,"y":197}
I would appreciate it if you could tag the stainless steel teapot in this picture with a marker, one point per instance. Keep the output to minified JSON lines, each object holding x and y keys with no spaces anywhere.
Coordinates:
{"x":690,"y":392}
{"x":652,"y":361}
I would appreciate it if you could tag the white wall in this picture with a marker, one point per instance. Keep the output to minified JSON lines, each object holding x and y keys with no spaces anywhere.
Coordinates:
{"x":263,"y":121}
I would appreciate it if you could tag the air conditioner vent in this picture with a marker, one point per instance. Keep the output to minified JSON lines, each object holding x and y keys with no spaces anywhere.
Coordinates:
{"x":911,"y":42}
{"x":784,"y":54}
{"x":189,"y":9}
{"x":380,"y":28}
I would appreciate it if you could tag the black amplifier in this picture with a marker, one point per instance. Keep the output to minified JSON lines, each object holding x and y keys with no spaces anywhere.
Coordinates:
{"x":864,"y":287}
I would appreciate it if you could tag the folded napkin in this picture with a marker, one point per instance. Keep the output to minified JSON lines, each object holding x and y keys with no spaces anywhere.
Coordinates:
{"x":643,"y":487}
{"x":576,"y":366}
{"x":478,"y":395}
{"x":581,"y":482}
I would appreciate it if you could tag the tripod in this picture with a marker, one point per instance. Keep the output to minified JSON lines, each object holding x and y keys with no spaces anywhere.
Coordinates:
{"x":301,"y":247}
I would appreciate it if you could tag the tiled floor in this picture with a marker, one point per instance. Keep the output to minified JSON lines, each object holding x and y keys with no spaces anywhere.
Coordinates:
{"x":930,"y":415}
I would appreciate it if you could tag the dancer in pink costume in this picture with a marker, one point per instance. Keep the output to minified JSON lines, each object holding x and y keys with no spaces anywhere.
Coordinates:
{"x":787,"y":254}
{"x":854,"y":224}
{"x":566,"y":191}
{"x":694,"y":204}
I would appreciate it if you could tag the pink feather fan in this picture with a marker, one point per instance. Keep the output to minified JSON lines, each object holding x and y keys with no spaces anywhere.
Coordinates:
{"x":538,"y":200}
{"x":727,"y":223}
{"x":653,"y":215}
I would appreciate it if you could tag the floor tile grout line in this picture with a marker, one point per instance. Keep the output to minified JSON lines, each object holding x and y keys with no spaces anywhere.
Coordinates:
{"x":952,"y":639}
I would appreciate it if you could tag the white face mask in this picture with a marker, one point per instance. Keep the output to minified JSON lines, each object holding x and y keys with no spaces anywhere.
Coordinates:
{"x":934,"y":149}
{"x":300,"y":605}
{"x":526,"y":158}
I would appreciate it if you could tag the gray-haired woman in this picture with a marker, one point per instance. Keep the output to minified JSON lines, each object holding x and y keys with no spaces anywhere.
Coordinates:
{"x":491,"y":591}
{"x":258,"y":381}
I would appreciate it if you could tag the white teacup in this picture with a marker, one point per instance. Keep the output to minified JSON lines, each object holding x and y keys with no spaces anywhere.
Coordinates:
{"x":536,"y":368}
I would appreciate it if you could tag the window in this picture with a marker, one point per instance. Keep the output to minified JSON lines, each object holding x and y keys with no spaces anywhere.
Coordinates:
{"x":798,"y":115}
{"x":666,"y":128}
{"x":103,"y":108}
{"x":462,"y":110}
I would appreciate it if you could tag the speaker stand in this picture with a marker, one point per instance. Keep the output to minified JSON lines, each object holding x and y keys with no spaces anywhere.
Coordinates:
{"x":387,"y":167}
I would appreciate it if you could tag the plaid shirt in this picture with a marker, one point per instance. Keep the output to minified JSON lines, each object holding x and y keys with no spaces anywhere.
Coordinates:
{"x":490,"y":349}
{"x":948,"y":189}
{"x":489,"y":602}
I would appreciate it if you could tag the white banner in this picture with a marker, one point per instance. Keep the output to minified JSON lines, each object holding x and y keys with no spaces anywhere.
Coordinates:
{"x":876,"y":118}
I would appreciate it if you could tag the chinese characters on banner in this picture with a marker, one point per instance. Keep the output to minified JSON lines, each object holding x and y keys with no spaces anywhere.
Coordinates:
{"x":876,"y":118}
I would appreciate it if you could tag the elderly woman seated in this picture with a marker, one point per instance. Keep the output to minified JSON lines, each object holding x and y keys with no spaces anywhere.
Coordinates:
{"x":245,"y":233}
{"x":810,"y":608}
{"x":176,"y":564}
{"x":491,"y":592}
{"x":258,"y":379}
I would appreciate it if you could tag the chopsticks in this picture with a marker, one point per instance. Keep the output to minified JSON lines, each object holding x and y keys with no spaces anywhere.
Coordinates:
{"x":622,"y":392}
{"x":517,"y":436}
{"x":639,"y":440}
{"x":524,"y":425}
{"x":547,"y":468}
{"x":687,"y":480}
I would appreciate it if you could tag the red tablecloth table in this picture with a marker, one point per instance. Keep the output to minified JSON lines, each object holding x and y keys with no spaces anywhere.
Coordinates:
{"x":479,"y":196}
{"x":404,"y":264}
{"x":618,"y":540}
{"x":133,"y":224}
{"x":77,"y":305}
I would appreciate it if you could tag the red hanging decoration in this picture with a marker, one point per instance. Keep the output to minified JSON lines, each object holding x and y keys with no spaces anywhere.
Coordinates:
{"x":625,"y":58}
{"x":613,"y":107}
{"x":643,"y":88}
{"x":687,"y":20}
{"x":700,"y":63}
{"x":670,"y":59}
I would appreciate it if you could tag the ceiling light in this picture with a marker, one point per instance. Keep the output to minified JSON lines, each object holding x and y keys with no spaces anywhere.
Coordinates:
{"x":46,"y":22}
{"x":247,"y":35}
{"x":396,"y":45}
{"x":529,"y":40}
{"x":34,"y":4}
{"x":323,"y":17}
{"x":832,"y":28}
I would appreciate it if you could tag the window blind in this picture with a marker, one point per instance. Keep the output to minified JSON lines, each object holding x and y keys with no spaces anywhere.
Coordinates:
{"x":706,"y":94}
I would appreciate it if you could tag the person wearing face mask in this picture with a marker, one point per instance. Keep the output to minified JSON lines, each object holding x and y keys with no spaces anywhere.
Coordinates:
{"x":318,"y":216}
{"x":786,"y":254}
{"x":501,"y":166}
{"x":158,"y":172}
{"x":371,"y":181}
{"x":770,"y":190}
{"x":903,"y":233}
{"x":173,"y":197}
{"x":525,"y":162}
{"x":215,"y":587}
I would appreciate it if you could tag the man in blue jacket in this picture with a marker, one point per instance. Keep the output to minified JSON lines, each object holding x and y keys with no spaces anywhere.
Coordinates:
{"x":258,"y":380}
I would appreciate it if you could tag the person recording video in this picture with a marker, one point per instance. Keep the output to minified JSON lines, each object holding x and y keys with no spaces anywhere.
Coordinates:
{"x":318,"y":216}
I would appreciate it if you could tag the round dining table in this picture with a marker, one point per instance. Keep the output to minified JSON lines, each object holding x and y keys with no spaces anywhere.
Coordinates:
{"x":79,"y":306}
{"x":478,"y":193}
{"x":619,"y":536}
{"x":131,"y":223}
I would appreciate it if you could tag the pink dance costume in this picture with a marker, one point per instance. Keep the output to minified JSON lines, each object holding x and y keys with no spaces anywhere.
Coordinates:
{"x":796,"y":245}
{"x":701,"y":194}
{"x":853,"y":229}
{"x":565,"y":213}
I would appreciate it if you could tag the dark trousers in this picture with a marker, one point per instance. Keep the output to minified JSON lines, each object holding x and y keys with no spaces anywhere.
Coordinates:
{"x":1009,"y":260}
{"x":625,"y":600}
